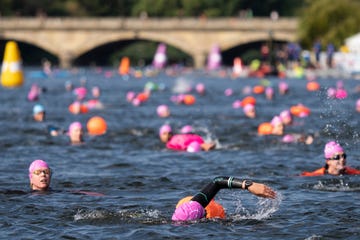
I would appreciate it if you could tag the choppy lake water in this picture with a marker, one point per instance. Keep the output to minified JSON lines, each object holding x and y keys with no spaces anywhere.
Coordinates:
{"x":142,"y":181}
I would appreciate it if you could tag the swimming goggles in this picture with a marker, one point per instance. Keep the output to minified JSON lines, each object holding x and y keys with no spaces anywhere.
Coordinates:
{"x":338,"y":157}
{"x":39,"y":171}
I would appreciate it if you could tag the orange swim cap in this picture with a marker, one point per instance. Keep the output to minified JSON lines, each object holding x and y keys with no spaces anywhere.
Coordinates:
{"x":248,"y":100}
{"x":265,"y":128}
{"x":258,"y":89}
{"x":312,"y":86}
{"x":300,"y":110}
{"x":189,"y":99}
{"x":213,"y":209}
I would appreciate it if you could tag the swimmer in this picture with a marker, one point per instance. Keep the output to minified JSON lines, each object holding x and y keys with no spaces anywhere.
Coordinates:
{"x":181,"y":142}
{"x":76,"y":133}
{"x":277,"y":126}
{"x":39,"y":175}
{"x":298,"y":138}
{"x":335,"y":162}
{"x":249,"y":110}
{"x":357,"y":105}
{"x":39,"y":113}
{"x":195,"y":208}
{"x":286,"y":117}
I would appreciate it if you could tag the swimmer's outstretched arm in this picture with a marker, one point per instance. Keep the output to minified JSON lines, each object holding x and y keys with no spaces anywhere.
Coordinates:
{"x":210,"y":190}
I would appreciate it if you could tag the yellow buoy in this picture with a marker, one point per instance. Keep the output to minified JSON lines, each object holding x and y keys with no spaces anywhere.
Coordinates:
{"x":11,"y":71}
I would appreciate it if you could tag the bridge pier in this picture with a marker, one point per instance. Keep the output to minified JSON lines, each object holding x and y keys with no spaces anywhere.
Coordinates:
{"x":199,"y":60}
{"x":65,"y":60}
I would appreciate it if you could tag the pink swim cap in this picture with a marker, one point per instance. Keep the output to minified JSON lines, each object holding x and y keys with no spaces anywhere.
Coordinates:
{"x":74,"y":125}
{"x":163,"y":111}
{"x":165,"y":128}
{"x":288,"y":138}
{"x":80,"y":92}
{"x":276,"y":121}
{"x":331,"y":92}
{"x":236,"y":104}
{"x":188,"y":211}
{"x":285,"y":114}
{"x":228,"y":92}
{"x":200,"y":88}
{"x":186,"y":129}
{"x":193,"y":147}
{"x":269,"y":91}
{"x":332,"y":148}
{"x":283,"y":86}
{"x":37,"y":164}
{"x":248,"y":108}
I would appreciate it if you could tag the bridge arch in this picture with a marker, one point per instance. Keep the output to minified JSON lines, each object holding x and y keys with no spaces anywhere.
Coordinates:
{"x":68,"y":38}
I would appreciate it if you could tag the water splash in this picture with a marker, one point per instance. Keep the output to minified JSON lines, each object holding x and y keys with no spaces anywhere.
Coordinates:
{"x":83,"y":214}
{"x":264,"y":208}
{"x":335,"y":186}
{"x":152,"y":216}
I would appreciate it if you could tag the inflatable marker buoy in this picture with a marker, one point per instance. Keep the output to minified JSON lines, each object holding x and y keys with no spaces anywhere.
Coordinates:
{"x":96,"y":126}
{"x":11,"y":71}
{"x":124,"y":67}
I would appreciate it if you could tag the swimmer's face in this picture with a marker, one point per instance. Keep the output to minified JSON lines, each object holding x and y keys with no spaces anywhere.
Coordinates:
{"x":39,"y":117}
{"x":286,"y":120}
{"x":76,"y":135}
{"x":251,"y":113}
{"x":40,"y":179}
{"x":337,"y":163}
{"x":165,"y":137}
{"x":278,"y":129}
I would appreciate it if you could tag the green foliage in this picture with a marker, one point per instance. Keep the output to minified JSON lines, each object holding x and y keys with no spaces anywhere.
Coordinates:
{"x":154,"y":8}
{"x":329,"y":21}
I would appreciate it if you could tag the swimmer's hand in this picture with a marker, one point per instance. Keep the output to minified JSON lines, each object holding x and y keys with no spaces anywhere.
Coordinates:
{"x":261,"y":190}
{"x":208,"y":146}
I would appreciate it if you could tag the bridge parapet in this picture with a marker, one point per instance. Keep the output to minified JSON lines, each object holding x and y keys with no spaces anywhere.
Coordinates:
{"x":150,"y":24}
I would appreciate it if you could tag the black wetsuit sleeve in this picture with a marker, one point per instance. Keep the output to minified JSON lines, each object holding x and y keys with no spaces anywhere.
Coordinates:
{"x":210,"y":190}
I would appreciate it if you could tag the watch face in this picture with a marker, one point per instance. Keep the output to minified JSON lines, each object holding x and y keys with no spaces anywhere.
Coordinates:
{"x":248,"y":183}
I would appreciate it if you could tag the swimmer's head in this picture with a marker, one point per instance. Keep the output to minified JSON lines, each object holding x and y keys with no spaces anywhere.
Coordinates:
{"x":288,"y":138}
{"x":186,"y":129}
{"x":165,"y":133}
{"x":163,"y":111}
{"x":286,"y":117}
{"x":357,"y":105}
{"x":74,"y":125}
{"x":38,"y":108}
{"x":332,"y":148}
{"x":37,"y":164}
{"x":188,"y":211}
{"x":276,"y":121}
{"x":75,"y":133}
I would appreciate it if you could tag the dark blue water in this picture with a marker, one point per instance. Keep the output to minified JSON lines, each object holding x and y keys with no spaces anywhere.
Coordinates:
{"x":142,"y":181}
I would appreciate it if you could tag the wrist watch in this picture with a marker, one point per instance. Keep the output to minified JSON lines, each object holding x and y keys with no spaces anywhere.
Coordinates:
{"x":247,"y":184}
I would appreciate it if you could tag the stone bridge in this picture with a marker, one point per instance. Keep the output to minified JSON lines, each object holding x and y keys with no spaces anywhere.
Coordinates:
{"x":69,"y":38}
